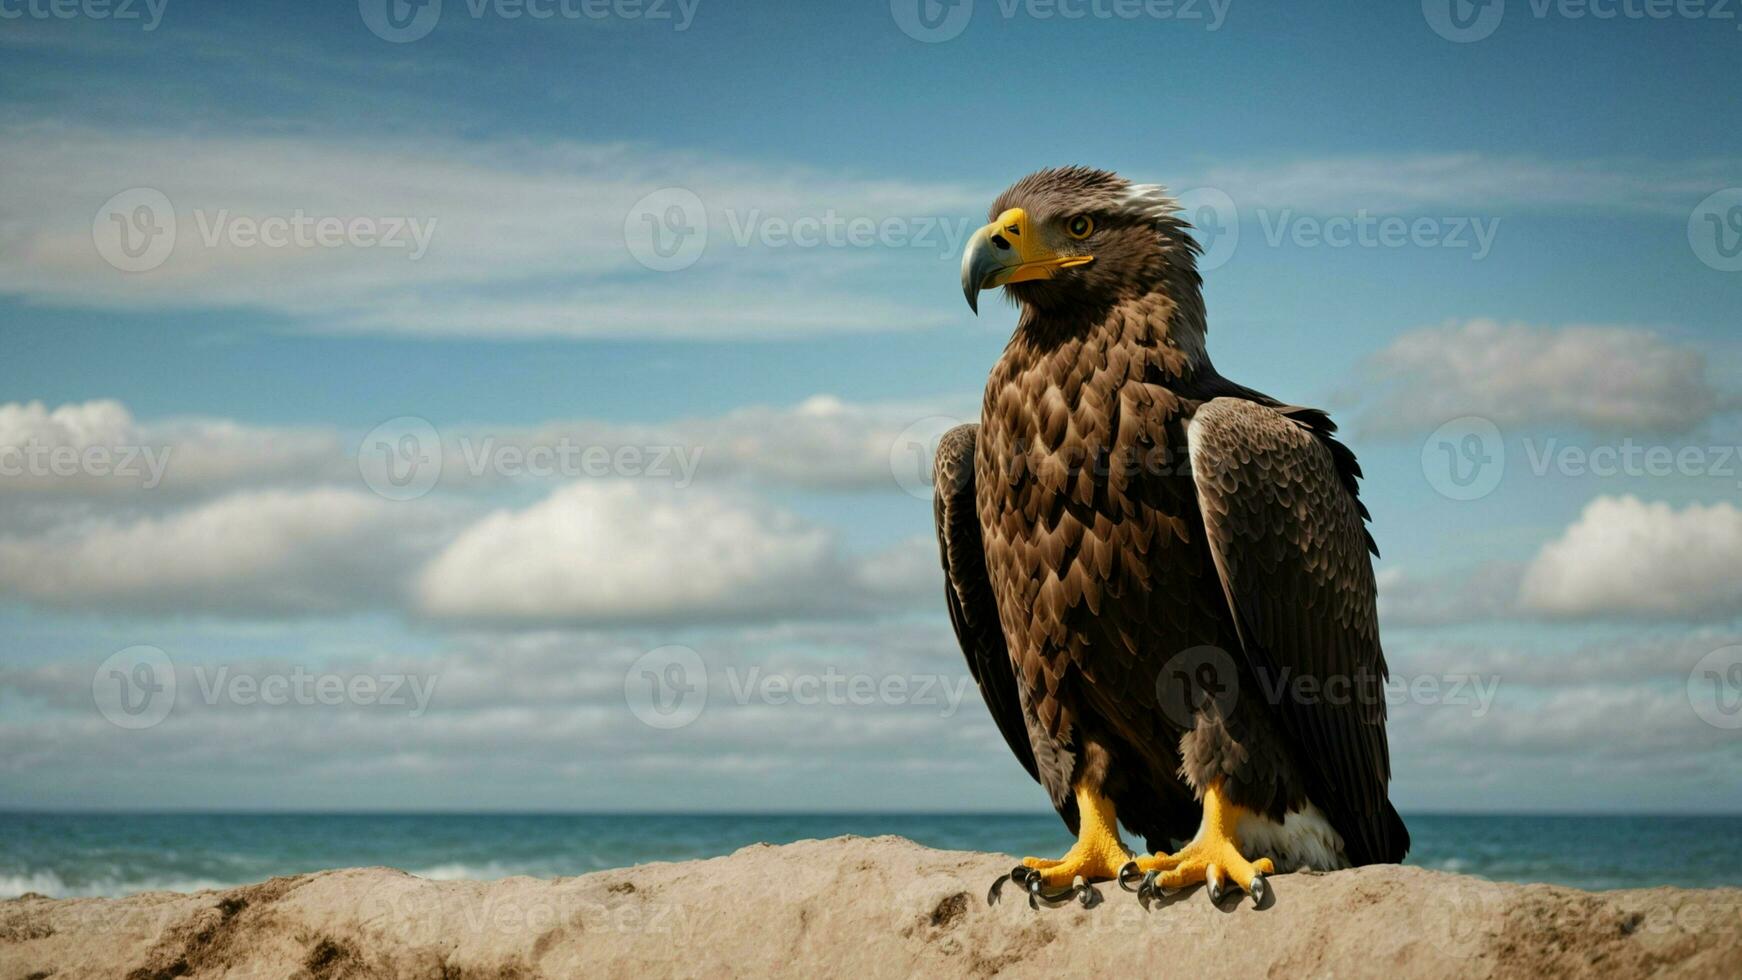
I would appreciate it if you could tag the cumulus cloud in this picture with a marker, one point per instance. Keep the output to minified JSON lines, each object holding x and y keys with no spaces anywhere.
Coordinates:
{"x":621,"y":552}
{"x":530,"y":719}
{"x":1627,"y":557}
{"x":1601,"y":378}
{"x":98,"y":447}
{"x":254,"y":553}
{"x":821,"y":443}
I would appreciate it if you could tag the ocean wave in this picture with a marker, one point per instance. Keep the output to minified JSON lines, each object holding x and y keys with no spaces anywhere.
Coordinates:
{"x":490,"y":871}
{"x":51,"y":884}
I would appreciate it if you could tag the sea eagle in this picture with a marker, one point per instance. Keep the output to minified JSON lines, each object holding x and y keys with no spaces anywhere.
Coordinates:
{"x":1160,"y":578}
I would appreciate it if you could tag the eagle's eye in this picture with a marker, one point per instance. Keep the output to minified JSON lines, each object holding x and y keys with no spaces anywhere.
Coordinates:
{"x":1080,"y":226}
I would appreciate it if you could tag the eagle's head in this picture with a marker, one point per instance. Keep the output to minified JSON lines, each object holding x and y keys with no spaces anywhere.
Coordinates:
{"x":1077,"y":239}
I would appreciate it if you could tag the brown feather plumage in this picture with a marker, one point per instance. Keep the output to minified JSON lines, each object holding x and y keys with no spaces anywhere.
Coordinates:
{"x":1105,"y":549}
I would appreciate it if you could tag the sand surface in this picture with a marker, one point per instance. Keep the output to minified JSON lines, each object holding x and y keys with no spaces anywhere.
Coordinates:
{"x":866,"y":907}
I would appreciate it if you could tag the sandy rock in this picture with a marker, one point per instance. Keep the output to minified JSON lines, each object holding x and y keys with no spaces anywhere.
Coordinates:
{"x":865,"y":907}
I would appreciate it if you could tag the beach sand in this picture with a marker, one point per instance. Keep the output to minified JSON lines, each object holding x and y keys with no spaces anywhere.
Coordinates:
{"x":865,"y":907}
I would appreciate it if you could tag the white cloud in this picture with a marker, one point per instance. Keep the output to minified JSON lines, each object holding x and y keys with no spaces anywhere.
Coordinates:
{"x":821,"y":443}
{"x":602,"y":553}
{"x":522,"y":239}
{"x":1603,"y":378}
{"x":1465,"y":183}
{"x":527,"y":718}
{"x":1451,"y":599}
{"x":270,"y":553}
{"x":1626,"y":557}
{"x":99,"y":447}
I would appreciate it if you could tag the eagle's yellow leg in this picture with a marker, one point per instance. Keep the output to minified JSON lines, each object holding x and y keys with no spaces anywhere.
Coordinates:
{"x":1213,"y":857}
{"x":1098,"y":852}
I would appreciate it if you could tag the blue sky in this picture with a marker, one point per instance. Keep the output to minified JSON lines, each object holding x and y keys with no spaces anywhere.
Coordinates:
{"x":1561,"y":171}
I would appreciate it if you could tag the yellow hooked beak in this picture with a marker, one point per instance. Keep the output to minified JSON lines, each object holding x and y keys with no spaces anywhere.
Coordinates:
{"x":1010,"y":250}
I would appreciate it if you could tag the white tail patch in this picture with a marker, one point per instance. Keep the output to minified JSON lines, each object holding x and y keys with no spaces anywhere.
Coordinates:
{"x":1303,"y":840}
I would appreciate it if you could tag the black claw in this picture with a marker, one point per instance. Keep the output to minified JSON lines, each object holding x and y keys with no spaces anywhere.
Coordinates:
{"x":1148,"y":890}
{"x":1129,"y":874}
{"x":1037,"y":895}
{"x":1258,"y":889}
{"x":993,"y":894}
{"x":1087,"y":896}
{"x":1021,"y":873}
{"x":1215,"y":889}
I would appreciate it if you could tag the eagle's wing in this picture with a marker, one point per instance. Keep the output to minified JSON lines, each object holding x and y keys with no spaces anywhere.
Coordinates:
{"x":973,"y":609}
{"x":1290,"y":543}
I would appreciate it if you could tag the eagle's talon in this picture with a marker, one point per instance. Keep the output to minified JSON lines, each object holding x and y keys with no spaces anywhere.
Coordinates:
{"x":1147,"y":890}
{"x":1257,"y":889}
{"x":1038,"y":895}
{"x":994,"y":893}
{"x":1086,"y":894}
{"x":1129,"y":873}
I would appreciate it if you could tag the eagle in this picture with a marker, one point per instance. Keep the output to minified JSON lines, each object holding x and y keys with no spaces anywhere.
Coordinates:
{"x":1161,"y":579}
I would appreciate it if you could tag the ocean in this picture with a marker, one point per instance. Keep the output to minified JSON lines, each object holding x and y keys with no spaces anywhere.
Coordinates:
{"x":63,"y":855}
